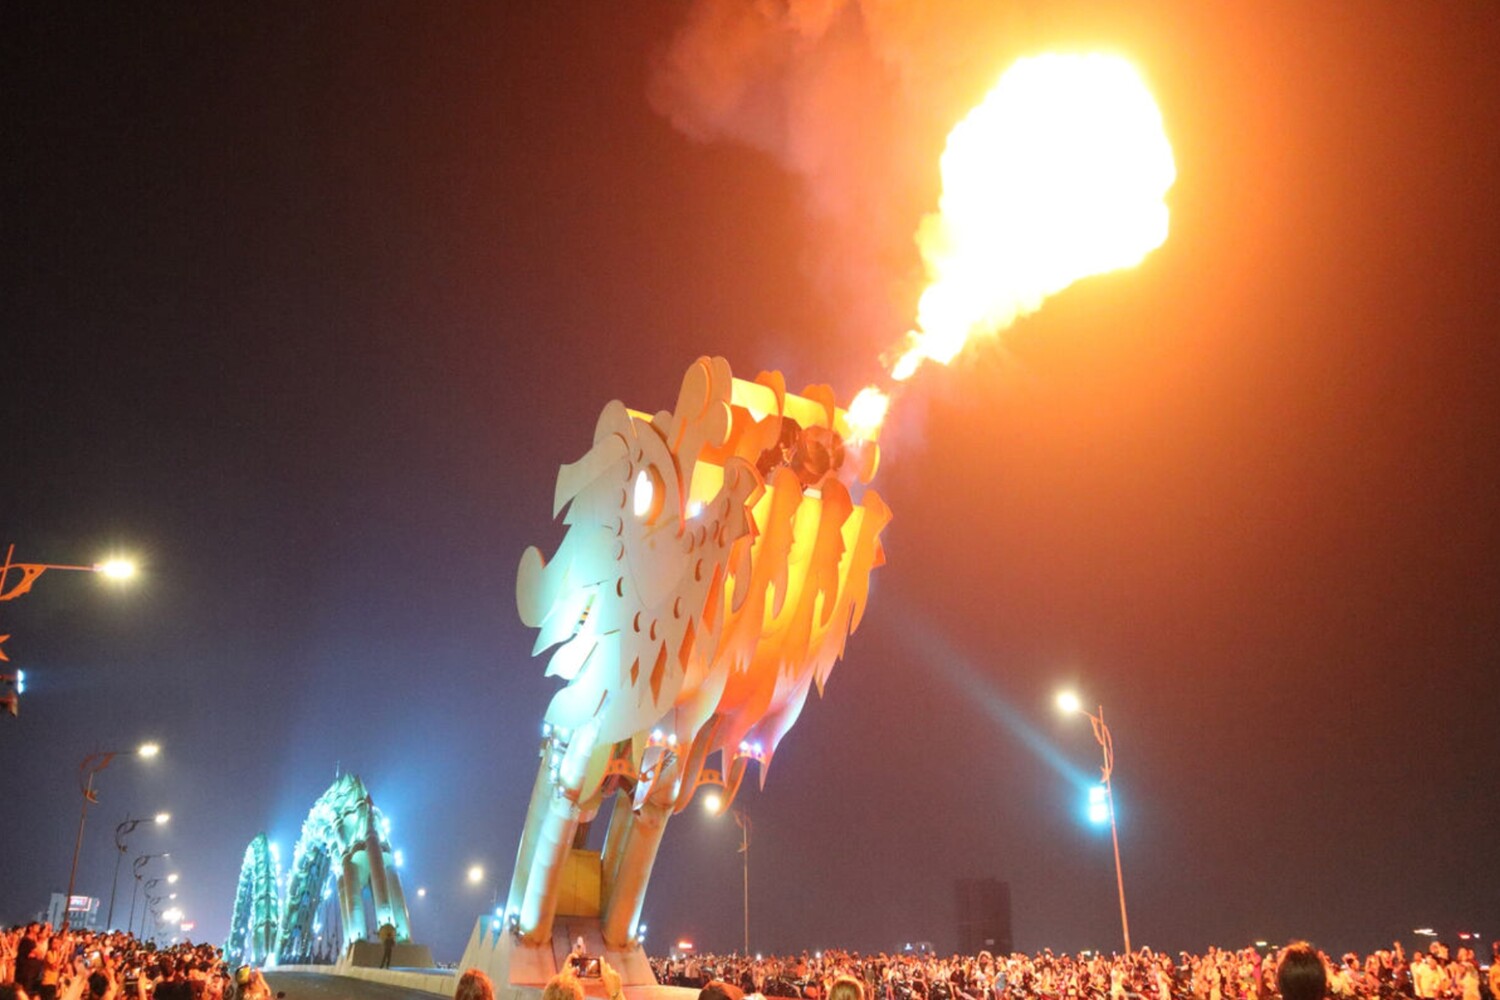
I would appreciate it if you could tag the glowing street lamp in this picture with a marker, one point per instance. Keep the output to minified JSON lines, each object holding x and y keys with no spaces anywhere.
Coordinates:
{"x":121,"y":832}
{"x":1069,"y":704}
{"x":172,"y":879}
{"x":114,"y":569}
{"x":714,"y":804}
{"x":118,"y":569}
{"x":476,"y":874}
{"x":92,"y":765}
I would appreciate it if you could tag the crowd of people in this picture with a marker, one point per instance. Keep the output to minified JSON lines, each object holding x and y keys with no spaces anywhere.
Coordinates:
{"x":1439,"y":973}
{"x":1296,"y":972}
{"x":40,"y":963}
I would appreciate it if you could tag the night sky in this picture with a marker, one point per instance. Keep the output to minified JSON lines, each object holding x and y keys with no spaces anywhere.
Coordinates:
{"x":304,"y":305}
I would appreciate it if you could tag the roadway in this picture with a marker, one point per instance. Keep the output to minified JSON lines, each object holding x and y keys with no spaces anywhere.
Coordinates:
{"x":312,"y":986}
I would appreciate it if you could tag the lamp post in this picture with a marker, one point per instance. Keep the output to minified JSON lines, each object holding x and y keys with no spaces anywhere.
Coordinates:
{"x":136,"y":867}
{"x":715,"y":805}
{"x":115,"y":569}
{"x":118,"y":569}
{"x":121,"y":832}
{"x":1068,"y":703}
{"x":92,"y":765}
{"x":151,"y":901}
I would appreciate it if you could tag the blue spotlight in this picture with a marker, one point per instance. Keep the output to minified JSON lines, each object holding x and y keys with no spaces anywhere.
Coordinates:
{"x":1098,"y":806}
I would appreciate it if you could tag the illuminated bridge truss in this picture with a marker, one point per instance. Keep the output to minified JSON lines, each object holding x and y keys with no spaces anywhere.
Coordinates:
{"x":257,"y":906}
{"x":344,"y":851}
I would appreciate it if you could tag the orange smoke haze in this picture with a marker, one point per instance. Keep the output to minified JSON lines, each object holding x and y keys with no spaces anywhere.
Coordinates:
{"x":1060,"y":172}
{"x":854,"y":99}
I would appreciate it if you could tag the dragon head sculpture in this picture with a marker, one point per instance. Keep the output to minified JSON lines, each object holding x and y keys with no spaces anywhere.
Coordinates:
{"x":713,"y":566}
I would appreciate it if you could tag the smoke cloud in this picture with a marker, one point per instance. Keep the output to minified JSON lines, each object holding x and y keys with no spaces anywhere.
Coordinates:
{"x":854,"y":97}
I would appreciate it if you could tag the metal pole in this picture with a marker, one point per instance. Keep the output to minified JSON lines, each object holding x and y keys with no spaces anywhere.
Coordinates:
{"x":151,"y":904}
{"x":744,"y":824}
{"x":121,"y":831}
{"x":130,"y":922}
{"x":746,"y":848}
{"x":83,"y":814}
{"x":1107,"y":744}
{"x":114,"y":887}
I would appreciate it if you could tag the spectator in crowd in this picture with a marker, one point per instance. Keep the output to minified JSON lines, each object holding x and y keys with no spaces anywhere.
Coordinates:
{"x":564,"y":985}
{"x":38,"y":963}
{"x":28,"y":970}
{"x":717,"y":989}
{"x":1301,"y":975}
{"x":474,"y":985}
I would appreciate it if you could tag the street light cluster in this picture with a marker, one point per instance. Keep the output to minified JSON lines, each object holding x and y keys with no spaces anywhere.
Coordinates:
{"x":87,"y":771}
{"x":118,"y":569}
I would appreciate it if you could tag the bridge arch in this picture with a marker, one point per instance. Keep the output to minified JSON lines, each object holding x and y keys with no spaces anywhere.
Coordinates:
{"x":344,"y":849}
{"x":257,"y":906}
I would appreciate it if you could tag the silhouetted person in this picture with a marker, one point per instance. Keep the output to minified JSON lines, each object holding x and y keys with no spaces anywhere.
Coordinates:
{"x":1301,"y":975}
{"x":717,"y":989}
{"x":474,"y":985}
{"x":387,"y":943}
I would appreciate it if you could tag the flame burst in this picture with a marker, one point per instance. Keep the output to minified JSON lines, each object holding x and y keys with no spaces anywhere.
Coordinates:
{"x":1060,"y":173}
{"x":867,"y":412}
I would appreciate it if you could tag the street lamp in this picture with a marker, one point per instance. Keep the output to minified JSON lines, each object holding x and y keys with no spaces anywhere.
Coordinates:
{"x":1068,"y":704}
{"x":114,"y":569}
{"x":118,"y":569}
{"x":136,"y":867}
{"x":121,"y":832}
{"x":714,"y":803}
{"x":92,"y":765}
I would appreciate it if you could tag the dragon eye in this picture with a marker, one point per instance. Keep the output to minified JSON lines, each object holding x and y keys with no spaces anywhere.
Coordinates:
{"x":648,"y":495}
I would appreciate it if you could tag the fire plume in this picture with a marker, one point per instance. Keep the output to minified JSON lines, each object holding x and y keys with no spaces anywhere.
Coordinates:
{"x":1060,"y":173}
{"x":867,"y":412}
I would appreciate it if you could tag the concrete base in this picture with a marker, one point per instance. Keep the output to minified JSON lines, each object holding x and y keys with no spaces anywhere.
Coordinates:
{"x":405,"y":955}
{"x":513,"y":965}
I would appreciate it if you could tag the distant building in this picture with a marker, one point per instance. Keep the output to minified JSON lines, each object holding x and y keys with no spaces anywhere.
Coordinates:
{"x":83,"y":912}
{"x":983,"y":916}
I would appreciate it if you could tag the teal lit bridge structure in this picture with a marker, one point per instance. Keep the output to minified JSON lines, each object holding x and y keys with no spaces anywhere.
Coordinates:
{"x":344,"y":851}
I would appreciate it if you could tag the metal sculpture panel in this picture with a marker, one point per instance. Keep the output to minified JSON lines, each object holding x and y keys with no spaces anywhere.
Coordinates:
{"x":715,"y":560}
